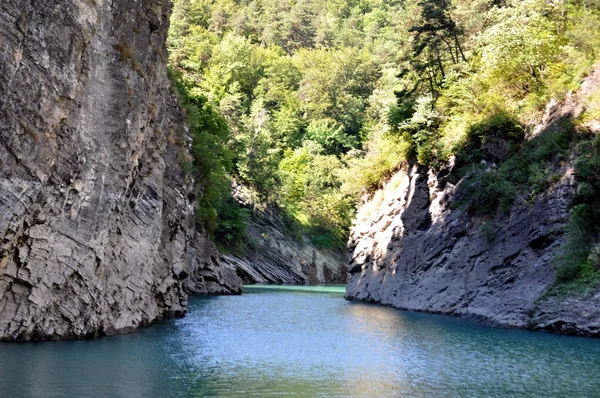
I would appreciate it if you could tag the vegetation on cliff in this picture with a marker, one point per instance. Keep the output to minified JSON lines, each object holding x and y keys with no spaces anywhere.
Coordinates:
{"x":312,"y":104}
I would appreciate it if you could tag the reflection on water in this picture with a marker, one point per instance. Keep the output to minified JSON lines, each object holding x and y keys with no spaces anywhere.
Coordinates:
{"x":305,"y":341}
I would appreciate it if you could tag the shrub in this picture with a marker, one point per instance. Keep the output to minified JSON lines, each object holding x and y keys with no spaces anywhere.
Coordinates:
{"x":324,"y":236}
{"x":497,"y":172}
{"x":488,"y":230}
{"x":421,"y":130}
{"x":230,"y":230}
{"x":594,"y":257}
{"x":367,"y":170}
{"x":493,"y":139}
{"x":580,"y":256}
{"x":487,"y":191}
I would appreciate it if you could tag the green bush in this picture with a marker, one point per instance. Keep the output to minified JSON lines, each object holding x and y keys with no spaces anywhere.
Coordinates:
{"x":367,"y":170}
{"x":487,"y":191}
{"x":578,"y":262}
{"x":489,"y":230}
{"x":421,"y":131}
{"x":517,"y":166}
{"x":493,"y":139}
{"x":594,"y":257}
{"x":232,"y":223}
{"x":216,"y":210}
{"x":323,"y":236}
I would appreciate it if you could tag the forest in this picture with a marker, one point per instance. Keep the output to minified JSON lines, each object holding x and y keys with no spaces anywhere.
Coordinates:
{"x":308,"y":106}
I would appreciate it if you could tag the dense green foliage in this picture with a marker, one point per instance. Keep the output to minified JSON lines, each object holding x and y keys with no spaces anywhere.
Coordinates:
{"x":305,"y":88}
{"x":216,"y":210}
{"x":579,"y":262}
{"x":324,"y":100}
{"x":499,"y":163}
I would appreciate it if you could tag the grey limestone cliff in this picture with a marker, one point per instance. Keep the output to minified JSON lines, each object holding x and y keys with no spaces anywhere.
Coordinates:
{"x":412,"y":249}
{"x":97,"y":231}
{"x":416,"y":252}
{"x":274,"y":255}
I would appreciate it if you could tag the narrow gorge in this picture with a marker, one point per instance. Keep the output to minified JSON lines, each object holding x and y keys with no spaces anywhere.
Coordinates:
{"x":136,"y":138}
{"x":361,"y":198}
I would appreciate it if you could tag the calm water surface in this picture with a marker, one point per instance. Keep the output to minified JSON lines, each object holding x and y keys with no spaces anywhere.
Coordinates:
{"x":305,"y":341}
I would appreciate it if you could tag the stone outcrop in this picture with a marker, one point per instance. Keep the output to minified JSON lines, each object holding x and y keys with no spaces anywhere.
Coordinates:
{"x":274,"y":255}
{"x":578,"y":316}
{"x":412,"y":249}
{"x":415,"y":252}
{"x":97,"y":231}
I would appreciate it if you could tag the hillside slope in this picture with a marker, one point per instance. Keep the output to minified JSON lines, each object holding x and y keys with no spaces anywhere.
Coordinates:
{"x":274,"y":255}
{"x":415,"y":247}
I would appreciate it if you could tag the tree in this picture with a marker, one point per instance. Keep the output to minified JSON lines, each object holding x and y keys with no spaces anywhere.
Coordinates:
{"x":330,"y":136}
{"x":236,"y":66}
{"x":336,"y":85}
{"x":436,"y":42}
{"x":517,"y":49}
{"x":298,"y":30}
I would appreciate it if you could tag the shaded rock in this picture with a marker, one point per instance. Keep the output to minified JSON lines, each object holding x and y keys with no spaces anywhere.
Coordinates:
{"x":576,"y":316}
{"x":450,"y":264}
{"x":273,"y":255}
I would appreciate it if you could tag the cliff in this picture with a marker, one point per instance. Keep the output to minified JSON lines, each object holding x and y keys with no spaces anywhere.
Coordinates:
{"x":97,"y":231}
{"x":274,"y":254}
{"x":415,"y":247}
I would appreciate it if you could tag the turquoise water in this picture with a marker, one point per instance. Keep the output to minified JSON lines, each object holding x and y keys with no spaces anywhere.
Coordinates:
{"x":305,"y":341}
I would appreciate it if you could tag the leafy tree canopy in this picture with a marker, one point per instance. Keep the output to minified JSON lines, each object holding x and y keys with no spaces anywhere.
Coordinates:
{"x":310,"y":104}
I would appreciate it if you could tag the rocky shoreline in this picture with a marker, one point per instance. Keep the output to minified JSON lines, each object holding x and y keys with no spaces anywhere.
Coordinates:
{"x":414,"y":249}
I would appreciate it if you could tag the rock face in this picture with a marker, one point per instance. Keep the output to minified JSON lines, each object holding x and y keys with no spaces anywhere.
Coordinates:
{"x":97,"y":232}
{"x":577,"y":316}
{"x":413,"y":250}
{"x":275,"y":256}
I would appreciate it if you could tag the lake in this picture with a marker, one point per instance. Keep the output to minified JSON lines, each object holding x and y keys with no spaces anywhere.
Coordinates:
{"x":305,"y":341}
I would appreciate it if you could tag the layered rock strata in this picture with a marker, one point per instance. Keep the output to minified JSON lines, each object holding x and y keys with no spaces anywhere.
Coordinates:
{"x":97,"y":231}
{"x":415,"y":252}
{"x":274,"y":255}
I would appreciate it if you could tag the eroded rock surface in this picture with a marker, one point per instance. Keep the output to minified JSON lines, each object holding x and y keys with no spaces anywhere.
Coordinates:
{"x":578,"y":316}
{"x":97,"y":232}
{"x":275,"y":256}
{"x":413,"y":250}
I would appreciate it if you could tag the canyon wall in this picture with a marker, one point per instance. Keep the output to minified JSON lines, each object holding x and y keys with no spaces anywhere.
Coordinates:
{"x":97,"y":230}
{"x":273,"y":254}
{"x":414,"y":247}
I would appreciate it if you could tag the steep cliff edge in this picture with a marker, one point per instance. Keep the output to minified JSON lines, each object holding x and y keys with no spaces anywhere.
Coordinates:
{"x":274,"y":255}
{"x":97,"y":231}
{"x":414,"y":248}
